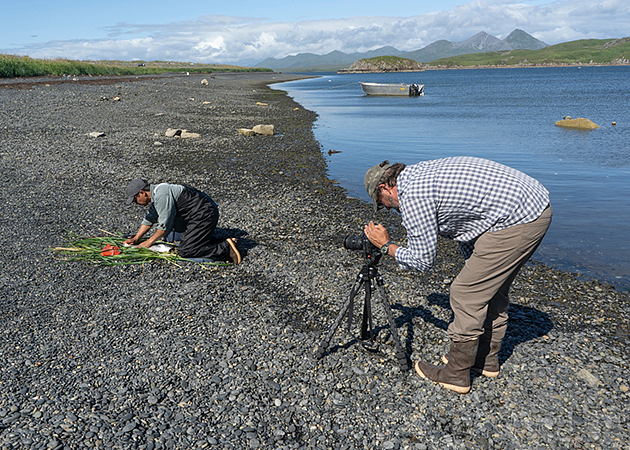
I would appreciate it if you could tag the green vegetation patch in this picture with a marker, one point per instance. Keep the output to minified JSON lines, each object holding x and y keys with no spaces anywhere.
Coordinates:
{"x":24,"y":66}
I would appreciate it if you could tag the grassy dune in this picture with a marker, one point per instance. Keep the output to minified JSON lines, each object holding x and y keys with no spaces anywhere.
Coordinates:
{"x":23,"y":66}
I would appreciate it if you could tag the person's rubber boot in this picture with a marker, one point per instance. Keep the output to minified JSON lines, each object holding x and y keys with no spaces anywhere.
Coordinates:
{"x":456,"y":374}
{"x":487,"y":359}
{"x":487,"y":362}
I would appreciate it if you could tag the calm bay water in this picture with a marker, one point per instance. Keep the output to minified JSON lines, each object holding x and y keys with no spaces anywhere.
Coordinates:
{"x":506,"y":115}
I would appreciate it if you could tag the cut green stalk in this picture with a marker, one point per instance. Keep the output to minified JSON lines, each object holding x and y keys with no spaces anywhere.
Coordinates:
{"x":89,"y":250}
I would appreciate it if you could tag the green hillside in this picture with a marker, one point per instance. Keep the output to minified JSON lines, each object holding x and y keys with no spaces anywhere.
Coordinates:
{"x":582,"y":52}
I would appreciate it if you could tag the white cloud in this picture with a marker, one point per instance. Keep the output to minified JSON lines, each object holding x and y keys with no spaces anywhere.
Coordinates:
{"x":234,"y":40}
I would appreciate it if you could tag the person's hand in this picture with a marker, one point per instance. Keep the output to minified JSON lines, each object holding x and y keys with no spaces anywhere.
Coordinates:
{"x":145,"y":244}
{"x":131,"y":241}
{"x":376,"y":234}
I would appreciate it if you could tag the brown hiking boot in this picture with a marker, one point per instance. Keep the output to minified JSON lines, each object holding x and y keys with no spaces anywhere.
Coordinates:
{"x":486,"y":361}
{"x":455,"y":375}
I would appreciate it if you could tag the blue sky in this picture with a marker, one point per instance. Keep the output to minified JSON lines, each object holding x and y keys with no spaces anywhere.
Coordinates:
{"x":246,"y":32}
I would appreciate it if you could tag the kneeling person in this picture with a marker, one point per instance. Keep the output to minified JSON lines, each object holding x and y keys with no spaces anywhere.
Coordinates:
{"x":184,"y":209}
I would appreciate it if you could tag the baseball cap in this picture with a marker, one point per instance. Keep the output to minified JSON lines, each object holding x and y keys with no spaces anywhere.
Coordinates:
{"x":371,"y":180}
{"x":133,"y":188}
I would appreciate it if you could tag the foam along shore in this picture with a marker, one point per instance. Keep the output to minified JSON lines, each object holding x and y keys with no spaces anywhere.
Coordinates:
{"x":157,"y":356}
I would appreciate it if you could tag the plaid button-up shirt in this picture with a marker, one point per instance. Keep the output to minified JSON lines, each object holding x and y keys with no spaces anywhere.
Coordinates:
{"x":461,"y":198}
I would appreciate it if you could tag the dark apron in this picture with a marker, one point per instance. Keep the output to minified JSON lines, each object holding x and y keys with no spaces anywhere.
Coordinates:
{"x":197,"y":217}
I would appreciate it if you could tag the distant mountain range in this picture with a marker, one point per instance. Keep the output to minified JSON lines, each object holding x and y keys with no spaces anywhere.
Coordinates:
{"x":480,"y":43}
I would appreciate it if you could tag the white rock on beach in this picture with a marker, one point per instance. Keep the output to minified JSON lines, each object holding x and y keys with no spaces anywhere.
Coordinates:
{"x":184,"y":134}
{"x":189,"y":135}
{"x":258,"y":129}
{"x":587,"y":376}
{"x":172,"y":132}
{"x":263,"y":129}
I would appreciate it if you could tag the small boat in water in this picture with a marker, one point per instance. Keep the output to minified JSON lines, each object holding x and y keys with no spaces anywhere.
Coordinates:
{"x":411,"y":90}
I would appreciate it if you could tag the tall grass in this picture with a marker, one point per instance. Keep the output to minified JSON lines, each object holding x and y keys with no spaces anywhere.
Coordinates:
{"x":23,"y":66}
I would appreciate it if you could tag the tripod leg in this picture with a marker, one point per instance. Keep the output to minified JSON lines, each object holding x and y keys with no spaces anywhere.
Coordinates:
{"x":366,"y":325}
{"x":346,"y":307}
{"x":400,"y":352}
{"x":353,"y":293}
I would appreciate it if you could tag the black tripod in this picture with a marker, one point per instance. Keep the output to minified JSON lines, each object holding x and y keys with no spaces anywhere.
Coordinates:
{"x":368,"y":278}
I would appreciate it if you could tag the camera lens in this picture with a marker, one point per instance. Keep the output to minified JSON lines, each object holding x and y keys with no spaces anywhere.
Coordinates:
{"x":353,"y":242}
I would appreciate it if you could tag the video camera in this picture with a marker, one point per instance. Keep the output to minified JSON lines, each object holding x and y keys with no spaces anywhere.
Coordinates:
{"x":371,"y":253}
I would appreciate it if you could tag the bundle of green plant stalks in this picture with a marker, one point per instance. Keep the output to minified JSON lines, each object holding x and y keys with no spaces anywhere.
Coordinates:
{"x":111,"y":251}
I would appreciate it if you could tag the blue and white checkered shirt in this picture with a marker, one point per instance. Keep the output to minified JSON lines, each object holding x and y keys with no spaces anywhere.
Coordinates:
{"x":461,"y":198}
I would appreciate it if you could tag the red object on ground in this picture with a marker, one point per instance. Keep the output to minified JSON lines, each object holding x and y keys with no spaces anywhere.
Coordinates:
{"x":110,"y":250}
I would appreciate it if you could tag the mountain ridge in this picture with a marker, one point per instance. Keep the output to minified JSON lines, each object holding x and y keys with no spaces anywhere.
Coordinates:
{"x":479,"y":43}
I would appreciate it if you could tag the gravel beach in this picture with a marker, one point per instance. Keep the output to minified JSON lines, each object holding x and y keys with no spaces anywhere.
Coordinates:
{"x":157,"y":356}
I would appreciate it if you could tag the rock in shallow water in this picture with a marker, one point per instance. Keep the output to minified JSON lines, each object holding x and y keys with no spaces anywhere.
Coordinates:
{"x":579,"y":123}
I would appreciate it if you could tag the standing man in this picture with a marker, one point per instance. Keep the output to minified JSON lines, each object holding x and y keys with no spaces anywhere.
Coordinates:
{"x":183,"y":209}
{"x":498,"y":216}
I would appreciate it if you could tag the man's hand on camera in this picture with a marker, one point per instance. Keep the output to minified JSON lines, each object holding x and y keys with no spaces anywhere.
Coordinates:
{"x":376,"y":234}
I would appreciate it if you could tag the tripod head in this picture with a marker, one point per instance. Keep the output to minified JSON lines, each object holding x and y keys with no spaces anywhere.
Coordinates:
{"x":371,"y":254}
